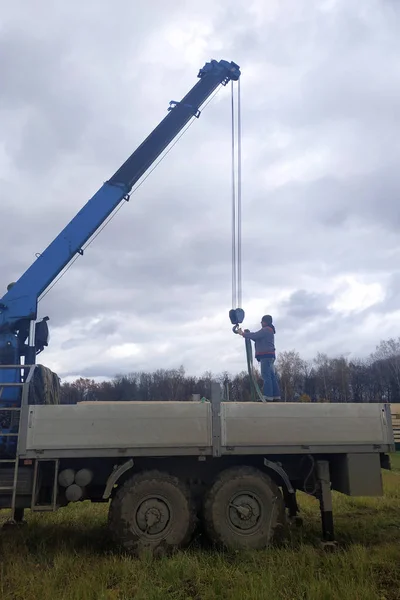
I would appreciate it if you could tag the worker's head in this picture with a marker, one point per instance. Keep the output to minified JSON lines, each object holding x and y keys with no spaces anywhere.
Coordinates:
{"x":266,"y":321}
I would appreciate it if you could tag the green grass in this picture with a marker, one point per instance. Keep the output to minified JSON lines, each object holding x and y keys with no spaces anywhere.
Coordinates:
{"x":395,"y":461}
{"x":68,"y":556}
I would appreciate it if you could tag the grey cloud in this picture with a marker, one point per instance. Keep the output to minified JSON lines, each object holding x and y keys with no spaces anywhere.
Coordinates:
{"x":391,"y":301}
{"x":303,"y":305}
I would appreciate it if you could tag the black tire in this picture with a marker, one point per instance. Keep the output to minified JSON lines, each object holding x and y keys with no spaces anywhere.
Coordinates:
{"x":259,"y":515}
{"x":156,"y":501}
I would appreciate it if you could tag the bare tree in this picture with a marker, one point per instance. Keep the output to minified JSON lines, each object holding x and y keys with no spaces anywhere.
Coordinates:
{"x":291,"y":369}
{"x":375,"y":379}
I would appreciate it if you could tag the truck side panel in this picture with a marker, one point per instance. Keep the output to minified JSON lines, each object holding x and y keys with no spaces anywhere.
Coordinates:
{"x":119,"y":425}
{"x":294,"y":424}
{"x":168,"y":428}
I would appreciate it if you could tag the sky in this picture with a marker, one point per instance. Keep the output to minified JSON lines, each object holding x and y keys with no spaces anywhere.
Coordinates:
{"x":82,"y":84}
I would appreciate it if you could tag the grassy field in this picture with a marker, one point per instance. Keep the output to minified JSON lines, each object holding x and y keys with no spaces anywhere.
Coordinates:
{"x":68,"y":556}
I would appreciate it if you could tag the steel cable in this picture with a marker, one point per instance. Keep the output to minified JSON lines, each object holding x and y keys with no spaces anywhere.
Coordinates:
{"x":236,"y":174}
{"x":234,"y":282}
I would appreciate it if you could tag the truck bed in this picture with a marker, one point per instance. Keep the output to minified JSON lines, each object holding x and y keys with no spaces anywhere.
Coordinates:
{"x":196,"y":428}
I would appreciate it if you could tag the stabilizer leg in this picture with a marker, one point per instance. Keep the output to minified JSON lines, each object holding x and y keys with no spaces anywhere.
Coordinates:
{"x":325,"y":504}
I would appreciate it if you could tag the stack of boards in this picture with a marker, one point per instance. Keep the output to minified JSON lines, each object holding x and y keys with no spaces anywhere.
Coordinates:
{"x":395,"y":410}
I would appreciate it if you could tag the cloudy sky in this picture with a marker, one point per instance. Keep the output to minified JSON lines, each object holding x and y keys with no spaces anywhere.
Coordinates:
{"x":82,"y":84}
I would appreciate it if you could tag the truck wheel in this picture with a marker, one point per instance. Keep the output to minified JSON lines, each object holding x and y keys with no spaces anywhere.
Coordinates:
{"x":243,"y":509}
{"x":152,"y":512}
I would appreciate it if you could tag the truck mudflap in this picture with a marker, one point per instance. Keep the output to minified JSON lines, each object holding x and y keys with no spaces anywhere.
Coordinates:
{"x":357,"y":474}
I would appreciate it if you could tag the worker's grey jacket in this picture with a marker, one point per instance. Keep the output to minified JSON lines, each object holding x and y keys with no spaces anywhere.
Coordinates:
{"x":264,"y":342}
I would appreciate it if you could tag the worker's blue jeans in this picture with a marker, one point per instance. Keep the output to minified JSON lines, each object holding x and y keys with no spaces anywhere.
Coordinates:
{"x":268,"y":373}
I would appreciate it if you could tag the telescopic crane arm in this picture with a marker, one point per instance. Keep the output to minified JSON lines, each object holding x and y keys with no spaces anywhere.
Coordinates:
{"x":18,"y":307}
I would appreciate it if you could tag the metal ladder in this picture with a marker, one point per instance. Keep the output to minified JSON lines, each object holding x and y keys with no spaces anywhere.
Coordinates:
{"x":24,"y":396}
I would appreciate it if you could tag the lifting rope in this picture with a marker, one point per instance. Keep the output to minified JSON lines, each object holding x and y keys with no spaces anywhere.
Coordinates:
{"x":236,"y":314}
{"x":239,"y":200}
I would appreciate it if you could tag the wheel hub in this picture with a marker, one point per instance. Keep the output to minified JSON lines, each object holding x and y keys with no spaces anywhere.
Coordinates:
{"x":153,"y":516}
{"x":244,"y":512}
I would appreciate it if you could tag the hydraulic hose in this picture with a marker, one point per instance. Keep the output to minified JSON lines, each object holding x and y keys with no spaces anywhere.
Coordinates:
{"x":256,"y":393}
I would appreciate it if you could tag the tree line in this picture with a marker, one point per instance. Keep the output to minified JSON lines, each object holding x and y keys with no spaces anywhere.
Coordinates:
{"x":323,"y":379}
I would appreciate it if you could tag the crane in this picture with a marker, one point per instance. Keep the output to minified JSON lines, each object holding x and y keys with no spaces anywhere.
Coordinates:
{"x":22,"y":336}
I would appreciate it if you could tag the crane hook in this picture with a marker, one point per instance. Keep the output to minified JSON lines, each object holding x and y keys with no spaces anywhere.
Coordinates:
{"x":236,"y":316}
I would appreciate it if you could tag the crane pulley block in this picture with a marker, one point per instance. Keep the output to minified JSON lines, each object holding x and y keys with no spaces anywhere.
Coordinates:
{"x":236,"y":316}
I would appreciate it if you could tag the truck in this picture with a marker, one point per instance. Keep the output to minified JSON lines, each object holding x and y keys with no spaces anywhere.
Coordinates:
{"x":167,"y":468}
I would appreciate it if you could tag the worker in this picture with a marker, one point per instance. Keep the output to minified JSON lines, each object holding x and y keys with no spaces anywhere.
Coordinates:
{"x":264,"y":340}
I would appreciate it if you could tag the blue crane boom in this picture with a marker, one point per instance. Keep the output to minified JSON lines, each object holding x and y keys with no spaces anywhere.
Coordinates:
{"x":18,"y":307}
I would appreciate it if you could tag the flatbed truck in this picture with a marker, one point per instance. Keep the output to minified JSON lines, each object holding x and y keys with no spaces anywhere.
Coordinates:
{"x":166,"y":466}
